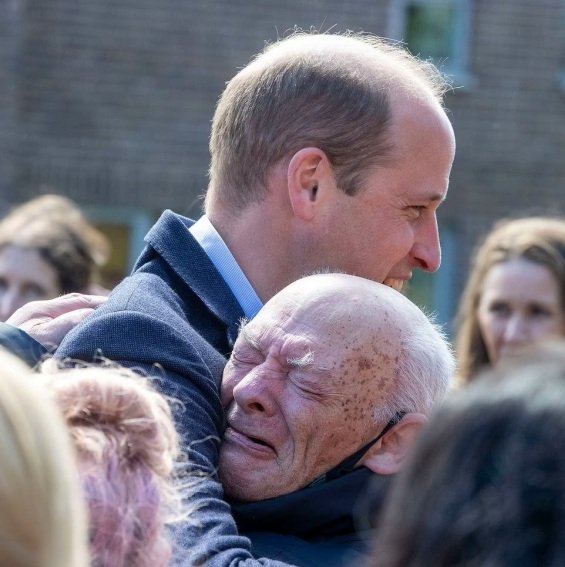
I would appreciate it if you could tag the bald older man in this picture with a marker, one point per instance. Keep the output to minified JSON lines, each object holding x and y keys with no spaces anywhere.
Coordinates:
{"x":326,"y":387}
{"x":325,"y":366}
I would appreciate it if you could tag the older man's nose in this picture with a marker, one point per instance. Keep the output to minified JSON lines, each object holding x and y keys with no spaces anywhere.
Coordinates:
{"x":253,"y":394}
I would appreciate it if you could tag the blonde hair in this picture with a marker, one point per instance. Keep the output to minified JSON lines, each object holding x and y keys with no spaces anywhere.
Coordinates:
{"x":536,"y":239}
{"x":127,"y":447}
{"x":42,"y":517}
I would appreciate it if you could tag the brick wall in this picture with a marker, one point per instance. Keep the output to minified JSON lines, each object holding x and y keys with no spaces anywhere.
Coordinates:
{"x":110,"y":102}
{"x":116,"y":97}
{"x":10,"y":27}
{"x":510,"y":125}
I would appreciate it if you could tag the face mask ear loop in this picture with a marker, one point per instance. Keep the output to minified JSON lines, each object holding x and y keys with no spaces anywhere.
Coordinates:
{"x":348,"y":464}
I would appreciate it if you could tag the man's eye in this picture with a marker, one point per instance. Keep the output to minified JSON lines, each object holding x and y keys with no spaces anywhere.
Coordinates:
{"x":305,"y":390}
{"x":418,"y":210}
{"x":240,"y":359}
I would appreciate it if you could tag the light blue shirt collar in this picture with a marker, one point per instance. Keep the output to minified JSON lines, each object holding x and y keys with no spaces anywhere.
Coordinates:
{"x":211,"y":242}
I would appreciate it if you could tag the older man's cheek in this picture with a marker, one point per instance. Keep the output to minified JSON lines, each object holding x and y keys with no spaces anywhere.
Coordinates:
{"x":226,"y":386}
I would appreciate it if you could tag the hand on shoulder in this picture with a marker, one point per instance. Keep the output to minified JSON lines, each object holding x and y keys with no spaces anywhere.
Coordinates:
{"x":50,"y":320}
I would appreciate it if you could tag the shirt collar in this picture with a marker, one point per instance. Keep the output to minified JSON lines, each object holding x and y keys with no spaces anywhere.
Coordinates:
{"x":215,"y":248}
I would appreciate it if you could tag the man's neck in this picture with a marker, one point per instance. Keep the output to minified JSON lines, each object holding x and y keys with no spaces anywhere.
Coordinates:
{"x":257,"y":239}
{"x":219,"y":254}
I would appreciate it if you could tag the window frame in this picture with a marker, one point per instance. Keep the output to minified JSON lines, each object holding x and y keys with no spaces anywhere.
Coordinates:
{"x":457,"y":66}
{"x":138,"y":220}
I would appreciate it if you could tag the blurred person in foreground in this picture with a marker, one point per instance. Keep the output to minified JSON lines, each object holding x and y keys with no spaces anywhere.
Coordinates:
{"x":485,"y":483}
{"x":126,"y":457}
{"x":47,"y":248}
{"x":42,"y":517}
{"x":328,"y":152}
{"x":515,"y":295}
{"x":128,"y":461}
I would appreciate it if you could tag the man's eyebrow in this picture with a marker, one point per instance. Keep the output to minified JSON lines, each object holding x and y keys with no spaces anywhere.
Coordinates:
{"x":300,"y":362}
{"x":306,"y":361}
{"x":436,"y":198}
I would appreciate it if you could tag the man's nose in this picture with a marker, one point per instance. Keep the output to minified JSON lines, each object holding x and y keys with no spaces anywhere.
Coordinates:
{"x":427,"y":249}
{"x":254,"y":393}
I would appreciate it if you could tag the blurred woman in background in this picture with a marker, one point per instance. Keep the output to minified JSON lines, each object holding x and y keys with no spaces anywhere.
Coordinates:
{"x":515,"y":295}
{"x":47,"y":248}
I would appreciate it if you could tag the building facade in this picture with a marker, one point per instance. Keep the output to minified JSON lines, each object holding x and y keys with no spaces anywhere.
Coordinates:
{"x":110,"y":104}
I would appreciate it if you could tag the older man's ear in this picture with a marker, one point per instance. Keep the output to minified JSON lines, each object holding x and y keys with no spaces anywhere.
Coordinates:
{"x":388,"y":455}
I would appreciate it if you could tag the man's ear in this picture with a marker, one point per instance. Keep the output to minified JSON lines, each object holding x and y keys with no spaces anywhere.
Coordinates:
{"x":308,"y":174}
{"x":388,"y":455}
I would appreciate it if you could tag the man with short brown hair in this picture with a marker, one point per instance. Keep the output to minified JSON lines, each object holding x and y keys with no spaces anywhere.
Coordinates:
{"x":329,"y":152}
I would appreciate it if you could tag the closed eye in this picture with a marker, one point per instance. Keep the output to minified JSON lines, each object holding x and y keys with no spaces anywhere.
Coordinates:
{"x":306,"y":391}
{"x":241,"y":359}
{"x":313,"y":389}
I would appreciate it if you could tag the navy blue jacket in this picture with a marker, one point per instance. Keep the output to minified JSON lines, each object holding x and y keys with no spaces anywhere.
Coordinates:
{"x":21,"y":344}
{"x":176,"y":319}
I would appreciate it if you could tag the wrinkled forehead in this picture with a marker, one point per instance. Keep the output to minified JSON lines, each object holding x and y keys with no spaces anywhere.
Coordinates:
{"x":340,"y":344}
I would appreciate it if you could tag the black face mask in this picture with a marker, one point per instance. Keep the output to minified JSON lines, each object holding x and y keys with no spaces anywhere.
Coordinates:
{"x":348,"y":464}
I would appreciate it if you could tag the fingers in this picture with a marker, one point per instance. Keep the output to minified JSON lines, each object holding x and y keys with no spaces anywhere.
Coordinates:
{"x":51,"y":332}
{"x":70,"y":302}
{"x":52,"y":308}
